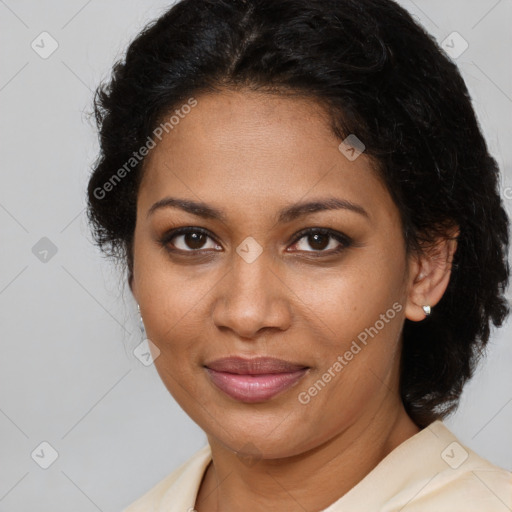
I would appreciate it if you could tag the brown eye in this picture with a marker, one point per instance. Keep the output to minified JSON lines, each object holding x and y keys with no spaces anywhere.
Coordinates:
{"x":318,"y":241}
{"x":321,"y":240}
{"x":189,"y":240}
{"x":194,"y":240}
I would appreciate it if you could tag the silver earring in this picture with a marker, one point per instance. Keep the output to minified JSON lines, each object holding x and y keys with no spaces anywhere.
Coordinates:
{"x":427,"y":310}
{"x":141,"y":324}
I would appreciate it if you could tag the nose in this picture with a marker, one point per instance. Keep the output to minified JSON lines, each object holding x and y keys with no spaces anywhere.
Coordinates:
{"x":252,"y":298}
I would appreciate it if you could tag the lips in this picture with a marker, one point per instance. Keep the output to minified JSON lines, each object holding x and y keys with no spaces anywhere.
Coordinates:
{"x":254,"y":380}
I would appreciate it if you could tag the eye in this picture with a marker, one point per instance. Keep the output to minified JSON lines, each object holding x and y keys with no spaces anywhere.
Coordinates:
{"x":188,"y":239}
{"x":322,"y":240}
{"x":194,"y":239}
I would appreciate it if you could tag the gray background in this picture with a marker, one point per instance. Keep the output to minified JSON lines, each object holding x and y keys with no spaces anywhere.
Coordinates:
{"x":69,"y":324}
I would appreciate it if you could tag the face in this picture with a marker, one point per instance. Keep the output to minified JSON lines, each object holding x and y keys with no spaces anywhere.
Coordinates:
{"x":253,"y":272}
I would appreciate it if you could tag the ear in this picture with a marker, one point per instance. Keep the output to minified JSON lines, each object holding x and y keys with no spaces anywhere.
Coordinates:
{"x":429,"y":274}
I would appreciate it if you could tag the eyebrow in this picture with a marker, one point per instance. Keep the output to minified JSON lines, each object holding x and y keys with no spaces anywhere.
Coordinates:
{"x":287,"y":214}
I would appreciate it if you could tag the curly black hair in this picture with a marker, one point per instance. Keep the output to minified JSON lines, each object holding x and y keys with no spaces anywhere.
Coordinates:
{"x":380,"y":76}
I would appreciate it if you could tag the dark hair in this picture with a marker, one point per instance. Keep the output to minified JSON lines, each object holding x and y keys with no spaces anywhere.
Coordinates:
{"x":381,"y":77}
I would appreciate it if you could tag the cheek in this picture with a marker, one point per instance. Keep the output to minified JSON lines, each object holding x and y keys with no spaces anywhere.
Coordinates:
{"x":170,"y":295}
{"x":362,"y":324}
{"x":345,"y":300}
{"x":353,"y":317}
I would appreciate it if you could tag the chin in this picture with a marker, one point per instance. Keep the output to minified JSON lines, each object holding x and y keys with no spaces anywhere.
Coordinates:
{"x":271,"y":436}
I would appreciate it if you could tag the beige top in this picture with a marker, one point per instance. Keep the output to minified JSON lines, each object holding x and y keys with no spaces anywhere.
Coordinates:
{"x":429,"y":472}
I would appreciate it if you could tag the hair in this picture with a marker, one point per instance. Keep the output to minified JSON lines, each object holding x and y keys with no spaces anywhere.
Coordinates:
{"x":380,"y":76}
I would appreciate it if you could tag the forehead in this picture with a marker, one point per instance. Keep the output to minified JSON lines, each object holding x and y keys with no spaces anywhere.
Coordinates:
{"x":252,"y":150}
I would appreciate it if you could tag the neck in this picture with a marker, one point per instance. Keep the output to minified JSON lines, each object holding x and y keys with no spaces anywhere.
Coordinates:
{"x":310,"y":481}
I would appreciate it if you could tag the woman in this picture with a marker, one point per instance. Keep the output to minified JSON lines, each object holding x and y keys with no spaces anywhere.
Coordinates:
{"x":311,"y":227}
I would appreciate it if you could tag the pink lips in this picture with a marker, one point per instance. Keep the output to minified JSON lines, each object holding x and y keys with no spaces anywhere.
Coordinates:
{"x":254,"y":380}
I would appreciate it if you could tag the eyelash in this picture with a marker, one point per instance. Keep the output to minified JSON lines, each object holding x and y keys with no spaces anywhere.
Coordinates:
{"x":344,"y":240}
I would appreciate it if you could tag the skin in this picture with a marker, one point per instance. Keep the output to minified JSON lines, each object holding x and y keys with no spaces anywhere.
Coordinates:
{"x":251,"y":154}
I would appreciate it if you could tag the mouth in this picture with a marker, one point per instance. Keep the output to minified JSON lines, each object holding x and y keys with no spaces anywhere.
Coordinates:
{"x":254,"y":380}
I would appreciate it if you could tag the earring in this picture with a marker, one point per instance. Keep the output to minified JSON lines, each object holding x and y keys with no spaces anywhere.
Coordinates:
{"x":427,"y":310}
{"x":141,"y":324}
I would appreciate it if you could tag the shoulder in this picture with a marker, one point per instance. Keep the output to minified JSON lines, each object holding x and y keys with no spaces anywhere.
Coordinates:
{"x":477,"y":483}
{"x":455,"y":478}
{"x":188,"y":476}
{"x":431,"y":471}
